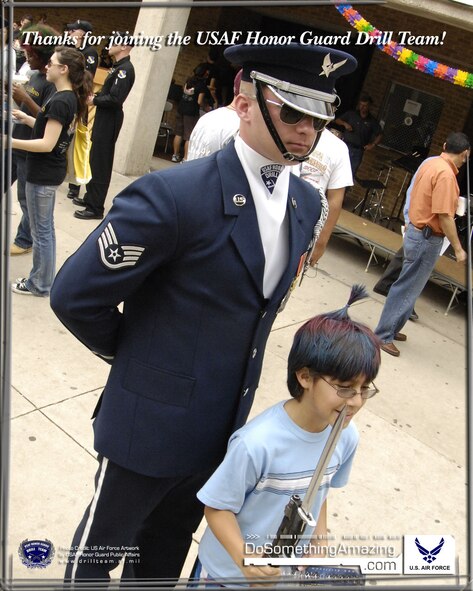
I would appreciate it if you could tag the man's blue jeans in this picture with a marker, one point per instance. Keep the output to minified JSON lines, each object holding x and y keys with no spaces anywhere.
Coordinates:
{"x":40,"y":200}
{"x":420,"y":255}
{"x":23,"y":237}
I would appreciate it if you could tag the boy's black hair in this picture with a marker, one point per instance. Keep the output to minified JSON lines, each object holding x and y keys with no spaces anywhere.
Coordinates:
{"x":334,"y":345}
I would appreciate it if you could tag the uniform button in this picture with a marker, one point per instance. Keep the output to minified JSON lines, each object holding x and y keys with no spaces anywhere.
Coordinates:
{"x":245,"y":391}
{"x":255,"y":350}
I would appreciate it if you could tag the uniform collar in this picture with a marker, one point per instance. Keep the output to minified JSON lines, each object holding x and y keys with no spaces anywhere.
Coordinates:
{"x":254,"y":159}
{"x":121,"y":62}
{"x":238,"y":203}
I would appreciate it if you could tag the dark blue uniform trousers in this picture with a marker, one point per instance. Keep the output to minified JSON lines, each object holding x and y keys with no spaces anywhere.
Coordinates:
{"x":105,"y":133}
{"x":154,"y":518}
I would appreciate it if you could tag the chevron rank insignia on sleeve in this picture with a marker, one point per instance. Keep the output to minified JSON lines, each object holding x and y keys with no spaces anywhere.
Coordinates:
{"x":114,"y":255}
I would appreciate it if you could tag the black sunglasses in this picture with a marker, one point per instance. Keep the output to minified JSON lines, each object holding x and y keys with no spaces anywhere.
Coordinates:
{"x":291,"y":116}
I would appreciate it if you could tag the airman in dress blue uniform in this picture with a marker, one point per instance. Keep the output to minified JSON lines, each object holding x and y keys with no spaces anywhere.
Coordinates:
{"x":78,"y":29}
{"x":202,"y":271}
{"x":107,"y":125}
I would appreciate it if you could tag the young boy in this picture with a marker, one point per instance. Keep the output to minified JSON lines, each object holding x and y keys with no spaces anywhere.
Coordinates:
{"x":332,"y":363}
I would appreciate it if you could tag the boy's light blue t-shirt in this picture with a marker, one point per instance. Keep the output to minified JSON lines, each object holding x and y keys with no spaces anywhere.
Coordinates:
{"x":267,"y":461}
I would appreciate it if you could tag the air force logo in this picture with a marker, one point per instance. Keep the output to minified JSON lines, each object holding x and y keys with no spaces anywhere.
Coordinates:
{"x":328,"y":67}
{"x":90,"y":59}
{"x":122,"y":73}
{"x":429,"y":555}
{"x":114,"y":255}
{"x":36,"y":553}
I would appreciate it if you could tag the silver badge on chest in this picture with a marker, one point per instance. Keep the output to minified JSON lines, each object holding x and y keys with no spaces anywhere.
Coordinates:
{"x":239,"y":200}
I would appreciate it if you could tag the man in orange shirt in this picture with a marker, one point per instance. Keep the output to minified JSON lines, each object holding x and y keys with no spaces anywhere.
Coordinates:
{"x":434,"y":200}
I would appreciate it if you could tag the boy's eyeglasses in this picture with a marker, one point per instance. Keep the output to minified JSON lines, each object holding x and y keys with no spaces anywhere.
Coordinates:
{"x":366,"y":391}
{"x":291,"y":116}
{"x":50,"y":64}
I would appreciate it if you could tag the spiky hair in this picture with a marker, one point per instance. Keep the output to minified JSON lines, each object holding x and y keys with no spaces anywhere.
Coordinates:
{"x":334,"y":345}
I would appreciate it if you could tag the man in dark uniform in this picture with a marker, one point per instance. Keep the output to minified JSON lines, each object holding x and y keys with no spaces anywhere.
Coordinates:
{"x":203,"y":256}
{"x":77,"y":31}
{"x":108,"y":122}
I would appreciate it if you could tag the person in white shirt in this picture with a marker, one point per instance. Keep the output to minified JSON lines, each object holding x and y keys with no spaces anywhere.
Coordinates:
{"x":215,"y":129}
{"x":328,"y":169}
{"x":9,"y":68}
{"x":8,"y":53}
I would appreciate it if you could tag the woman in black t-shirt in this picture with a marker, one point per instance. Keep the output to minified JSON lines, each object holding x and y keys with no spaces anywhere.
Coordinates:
{"x":46,"y":162}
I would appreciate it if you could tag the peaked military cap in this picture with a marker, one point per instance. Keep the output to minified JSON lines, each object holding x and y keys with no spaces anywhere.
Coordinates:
{"x":79,"y":24}
{"x":302,"y":76}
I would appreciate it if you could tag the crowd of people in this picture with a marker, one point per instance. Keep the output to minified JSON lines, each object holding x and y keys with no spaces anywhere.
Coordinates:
{"x":203,"y":92}
{"x":203,"y":104}
{"x":42,"y":135}
{"x":201,"y":288}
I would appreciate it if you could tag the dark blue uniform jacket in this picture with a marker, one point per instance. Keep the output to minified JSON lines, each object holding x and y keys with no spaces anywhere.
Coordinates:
{"x":188,"y":263}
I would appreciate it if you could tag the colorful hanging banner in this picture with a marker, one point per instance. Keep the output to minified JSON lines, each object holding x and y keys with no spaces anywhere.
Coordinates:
{"x":402,"y":54}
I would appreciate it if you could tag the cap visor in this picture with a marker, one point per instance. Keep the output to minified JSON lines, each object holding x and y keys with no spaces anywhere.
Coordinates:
{"x":310,"y":106}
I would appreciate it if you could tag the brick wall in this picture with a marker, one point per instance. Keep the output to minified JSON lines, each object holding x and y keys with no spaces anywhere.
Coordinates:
{"x":190,"y":56}
{"x":384,"y":70}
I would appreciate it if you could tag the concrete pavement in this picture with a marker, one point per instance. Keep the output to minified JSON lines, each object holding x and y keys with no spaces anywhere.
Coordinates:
{"x":410,"y":471}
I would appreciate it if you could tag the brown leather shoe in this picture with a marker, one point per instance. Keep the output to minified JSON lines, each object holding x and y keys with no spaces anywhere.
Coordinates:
{"x":391,"y":349}
{"x":399,"y":336}
{"x":15,"y":250}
